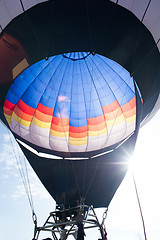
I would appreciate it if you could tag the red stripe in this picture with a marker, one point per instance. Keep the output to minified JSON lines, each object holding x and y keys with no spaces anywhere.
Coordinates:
{"x":95,"y":120}
{"x":9,"y":105}
{"x":59,"y":128}
{"x":130,"y":105}
{"x":78,"y":135}
{"x":60,"y":121}
{"x":45,"y":110}
{"x":25,"y":108}
{"x":111,"y":107}
{"x":78,"y":129}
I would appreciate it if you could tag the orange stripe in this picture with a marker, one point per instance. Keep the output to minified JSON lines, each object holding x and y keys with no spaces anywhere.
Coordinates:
{"x":60,"y":121}
{"x":130,"y":113}
{"x":78,"y":135}
{"x":43,"y":117}
{"x":95,"y":120}
{"x":113,"y":115}
{"x":97,"y":127}
{"x":59,"y":128}
{"x":9,"y":105}
{"x":25,"y":108}
{"x":45,"y":110}
{"x":22,"y":115}
{"x":7,"y":111}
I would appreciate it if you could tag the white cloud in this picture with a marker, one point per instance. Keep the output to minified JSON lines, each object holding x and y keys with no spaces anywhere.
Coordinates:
{"x":12,"y":161}
{"x":62,"y":98}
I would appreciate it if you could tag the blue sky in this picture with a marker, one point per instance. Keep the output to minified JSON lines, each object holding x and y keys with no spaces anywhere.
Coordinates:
{"x":123,"y":221}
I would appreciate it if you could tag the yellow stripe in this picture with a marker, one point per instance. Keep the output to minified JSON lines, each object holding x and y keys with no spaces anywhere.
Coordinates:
{"x":80,"y":141}
{"x":41,"y":124}
{"x":8,"y":118}
{"x":97,"y":133}
{"x":20,"y":120}
{"x":116,"y":121}
{"x":131,"y":119}
{"x":59,"y":134}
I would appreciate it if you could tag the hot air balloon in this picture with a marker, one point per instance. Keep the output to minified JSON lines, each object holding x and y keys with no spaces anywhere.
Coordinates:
{"x":78,"y":79}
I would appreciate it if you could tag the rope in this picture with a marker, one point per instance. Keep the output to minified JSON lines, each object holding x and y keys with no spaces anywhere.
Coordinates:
{"x":107,"y":24}
{"x":146,"y":10}
{"x":140,"y":208}
{"x":88,"y":23}
{"x":22,"y":5}
{"x":50,"y":26}
{"x":24,"y":176}
{"x":33,"y":30}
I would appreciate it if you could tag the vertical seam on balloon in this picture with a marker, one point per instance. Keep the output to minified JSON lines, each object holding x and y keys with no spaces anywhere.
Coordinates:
{"x":84,"y":102}
{"x":57,"y":99}
{"x":93,"y":87}
{"x":89,"y":104}
{"x":108,"y":135}
{"x":101,"y":103}
{"x":96,"y":90}
{"x":73,"y":65}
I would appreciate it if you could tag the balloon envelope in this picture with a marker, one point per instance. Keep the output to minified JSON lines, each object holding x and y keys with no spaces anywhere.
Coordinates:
{"x":77,"y":81}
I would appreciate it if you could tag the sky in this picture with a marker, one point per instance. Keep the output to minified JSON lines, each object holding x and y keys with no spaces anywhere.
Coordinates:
{"x":123,"y":219}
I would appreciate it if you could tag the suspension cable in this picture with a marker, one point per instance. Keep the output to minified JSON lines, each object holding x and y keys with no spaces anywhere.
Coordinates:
{"x":140,"y":208}
{"x":30,"y":24}
{"x":24,"y":176}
